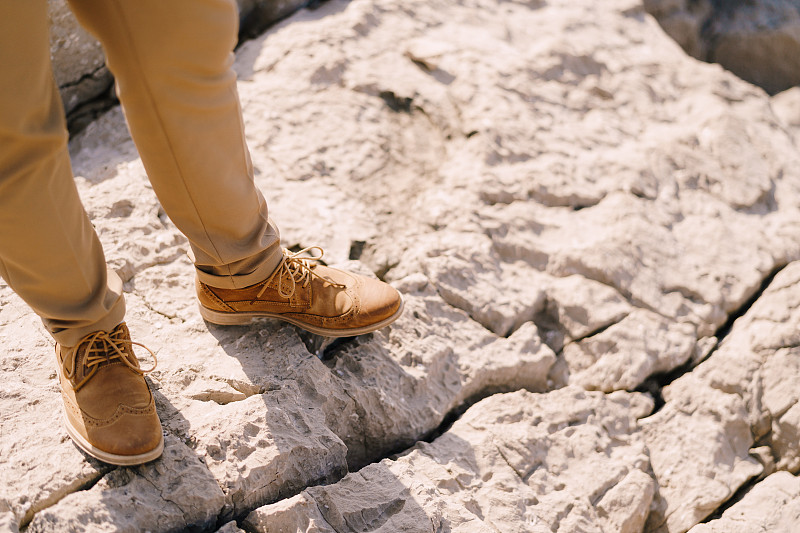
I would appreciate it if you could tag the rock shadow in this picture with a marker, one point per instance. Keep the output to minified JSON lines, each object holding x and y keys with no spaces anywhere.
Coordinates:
{"x":395,"y":494}
{"x":276,"y":438}
{"x":176,"y":492}
{"x":255,"y":29}
{"x":319,"y":422}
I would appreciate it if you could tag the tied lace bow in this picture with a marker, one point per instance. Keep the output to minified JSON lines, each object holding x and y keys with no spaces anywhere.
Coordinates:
{"x":104,"y":347}
{"x":297,"y":269}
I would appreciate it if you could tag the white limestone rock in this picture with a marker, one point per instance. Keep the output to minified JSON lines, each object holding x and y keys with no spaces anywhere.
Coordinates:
{"x":786,"y":105}
{"x":432,"y":361}
{"x":787,"y":108}
{"x":772,"y":505}
{"x":296,"y":514}
{"x":8,"y":522}
{"x":699,"y":450}
{"x":625,"y":354}
{"x":590,"y":204}
{"x":758,"y":363}
{"x":744,"y":394}
{"x":562,"y":461}
{"x":175,"y":492}
{"x":470,"y":276}
{"x":577,"y":307}
{"x":252,"y":402}
{"x":271,"y":418}
{"x":600,"y":192}
{"x":266,"y":447}
{"x":624,"y":507}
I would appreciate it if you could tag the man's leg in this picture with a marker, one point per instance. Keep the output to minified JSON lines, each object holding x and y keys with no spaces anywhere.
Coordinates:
{"x":49,"y":252}
{"x":173,"y":64}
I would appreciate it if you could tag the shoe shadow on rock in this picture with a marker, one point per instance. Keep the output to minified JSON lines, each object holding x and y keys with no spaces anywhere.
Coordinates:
{"x":325,"y":348}
{"x":265,"y":431}
{"x":174,"y":492}
{"x":313,"y":430}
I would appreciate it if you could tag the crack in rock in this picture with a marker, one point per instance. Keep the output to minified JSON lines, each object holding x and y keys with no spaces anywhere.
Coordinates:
{"x":738,"y":394}
{"x":452,"y":480}
{"x":178,"y":491}
{"x":527,"y":166}
{"x":771,"y":505}
{"x":54,"y":498}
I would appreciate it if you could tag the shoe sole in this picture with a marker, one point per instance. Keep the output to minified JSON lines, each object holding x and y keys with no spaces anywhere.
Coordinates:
{"x":112,"y":458}
{"x":240,"y":319}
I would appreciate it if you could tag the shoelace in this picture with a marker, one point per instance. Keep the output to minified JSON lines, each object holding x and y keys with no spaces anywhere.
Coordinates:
{"x":298,"y":270}
{"x":103,"y":347}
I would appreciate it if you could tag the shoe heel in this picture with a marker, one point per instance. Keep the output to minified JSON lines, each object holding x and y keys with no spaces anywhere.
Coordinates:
{"x":224,"y":319}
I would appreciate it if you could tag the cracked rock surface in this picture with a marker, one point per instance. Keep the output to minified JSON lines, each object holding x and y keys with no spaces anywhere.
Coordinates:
{"x":773,"y":505}
{"x":598,"y":242}
{"x":567,"y":460}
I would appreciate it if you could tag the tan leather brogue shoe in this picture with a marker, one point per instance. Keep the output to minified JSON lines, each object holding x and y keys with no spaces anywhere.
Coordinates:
{"x":108,"y":408}
{"x":317,"y":298}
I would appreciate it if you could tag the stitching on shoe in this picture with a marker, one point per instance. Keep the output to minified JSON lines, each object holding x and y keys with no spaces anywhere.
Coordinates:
{"x":250,"y":306}
{"x":325,"y":320}
{"x":216,"y":298}
{"x":70,"y":405}
{"x":119,"y":412}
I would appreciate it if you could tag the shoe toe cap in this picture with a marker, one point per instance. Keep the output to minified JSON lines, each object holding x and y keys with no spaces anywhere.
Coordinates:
{"x":379,"y":301}
{"x":131,"y":434}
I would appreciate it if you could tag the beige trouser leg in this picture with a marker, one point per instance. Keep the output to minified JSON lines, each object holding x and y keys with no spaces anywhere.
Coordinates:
{"x":172,"y":60}
{"x":49,"y":253}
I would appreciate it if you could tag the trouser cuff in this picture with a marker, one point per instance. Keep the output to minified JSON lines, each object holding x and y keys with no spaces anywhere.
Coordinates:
{"x":269,"y":264}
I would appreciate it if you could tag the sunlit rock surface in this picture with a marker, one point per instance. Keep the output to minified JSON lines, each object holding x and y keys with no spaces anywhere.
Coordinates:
{"x":574,"y":211}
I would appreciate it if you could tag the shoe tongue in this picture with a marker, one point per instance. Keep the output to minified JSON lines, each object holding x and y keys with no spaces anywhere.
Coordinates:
{"x":80,"y":369}
{"x":102,"y":348}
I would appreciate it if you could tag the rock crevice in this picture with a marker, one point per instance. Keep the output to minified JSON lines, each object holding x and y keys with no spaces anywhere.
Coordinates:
{"x":573,"y":209}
